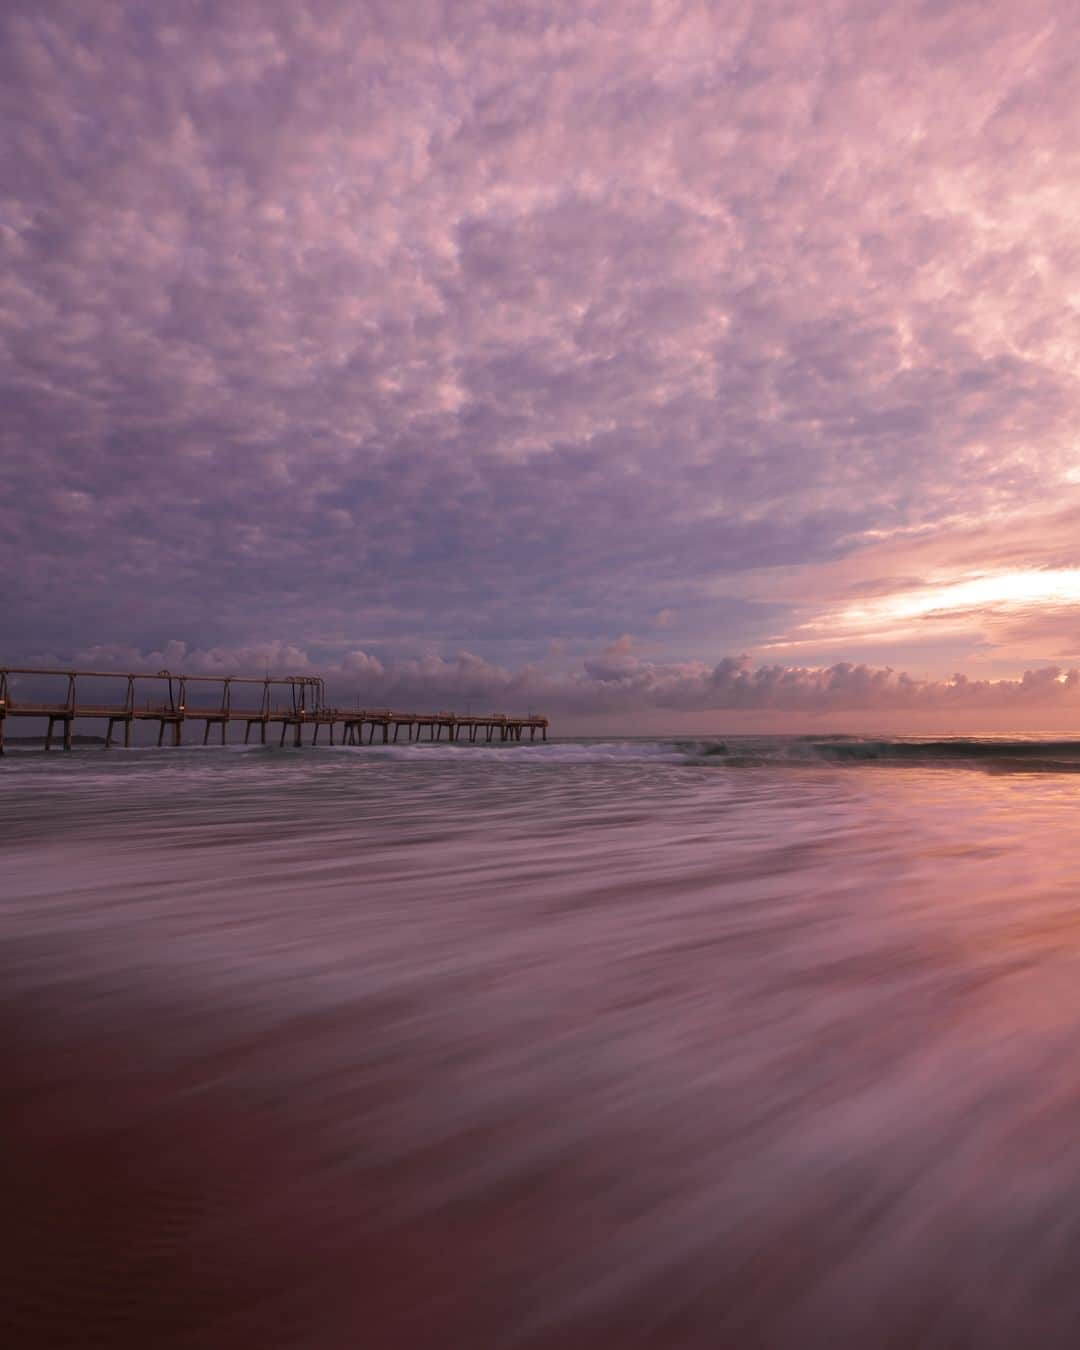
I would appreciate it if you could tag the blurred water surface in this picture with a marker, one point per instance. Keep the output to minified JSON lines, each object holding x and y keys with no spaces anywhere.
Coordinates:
{"x":643,"y":1043}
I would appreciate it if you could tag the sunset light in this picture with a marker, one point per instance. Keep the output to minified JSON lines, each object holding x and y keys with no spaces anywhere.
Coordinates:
{"x":540,"y":674}
{"x":709,"y":330}
{"x":965,"y":600}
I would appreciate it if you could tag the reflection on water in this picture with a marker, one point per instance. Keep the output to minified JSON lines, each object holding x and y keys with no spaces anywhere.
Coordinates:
{"x":623,"y":1044}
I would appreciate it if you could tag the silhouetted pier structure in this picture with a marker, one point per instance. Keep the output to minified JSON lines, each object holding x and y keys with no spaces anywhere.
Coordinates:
{"x":291,"y":701}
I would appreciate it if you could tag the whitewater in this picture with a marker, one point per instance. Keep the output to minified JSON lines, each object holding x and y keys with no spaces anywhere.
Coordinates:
{"x":741,"y":1041}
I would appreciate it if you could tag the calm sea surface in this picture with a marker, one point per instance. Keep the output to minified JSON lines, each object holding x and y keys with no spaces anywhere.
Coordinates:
{"x":639,"y":1043}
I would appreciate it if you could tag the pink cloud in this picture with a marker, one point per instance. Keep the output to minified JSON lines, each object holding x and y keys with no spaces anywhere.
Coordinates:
{"x":496,"y":324}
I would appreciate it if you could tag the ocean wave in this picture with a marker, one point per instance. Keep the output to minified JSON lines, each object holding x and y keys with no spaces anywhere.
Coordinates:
{"x":991,"y":754}
{"x":1004,"y":754}
{"x":537,"y":752}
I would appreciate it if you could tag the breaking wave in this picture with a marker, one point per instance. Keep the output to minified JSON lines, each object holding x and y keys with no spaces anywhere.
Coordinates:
{"x":1002,"y":754}
{"x":987,"y":753}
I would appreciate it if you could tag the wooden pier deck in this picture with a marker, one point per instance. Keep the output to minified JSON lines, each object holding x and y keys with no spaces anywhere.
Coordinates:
{"x":292,"y":702}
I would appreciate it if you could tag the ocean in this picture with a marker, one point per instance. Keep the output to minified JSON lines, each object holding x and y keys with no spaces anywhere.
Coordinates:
{"x":761,"y":1042}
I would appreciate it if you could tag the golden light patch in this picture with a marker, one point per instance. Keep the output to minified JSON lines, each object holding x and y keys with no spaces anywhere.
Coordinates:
{"x":995,"y":590}
{"x":959,"y":604}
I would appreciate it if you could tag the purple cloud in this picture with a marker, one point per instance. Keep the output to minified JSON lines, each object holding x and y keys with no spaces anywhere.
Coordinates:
{"x":409,"y":328}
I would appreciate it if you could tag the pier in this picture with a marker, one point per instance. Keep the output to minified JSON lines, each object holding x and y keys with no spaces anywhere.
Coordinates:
{"x":216,"y":702}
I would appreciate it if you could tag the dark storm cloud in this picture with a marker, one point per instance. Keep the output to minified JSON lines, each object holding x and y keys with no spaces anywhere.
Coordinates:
{"x":337,"y":324}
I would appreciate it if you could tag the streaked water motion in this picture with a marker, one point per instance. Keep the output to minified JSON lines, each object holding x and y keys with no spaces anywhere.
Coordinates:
{"x":762,"y":1042}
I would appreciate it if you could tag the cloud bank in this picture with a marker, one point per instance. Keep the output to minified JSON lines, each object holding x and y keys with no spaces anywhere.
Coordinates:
{"x":618,"y":684}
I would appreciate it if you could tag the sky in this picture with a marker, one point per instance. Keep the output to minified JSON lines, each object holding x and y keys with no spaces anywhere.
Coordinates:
{"x":648,"y":362}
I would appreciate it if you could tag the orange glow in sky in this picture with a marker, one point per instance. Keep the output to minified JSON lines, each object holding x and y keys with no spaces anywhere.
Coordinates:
{"x":992,"y":590}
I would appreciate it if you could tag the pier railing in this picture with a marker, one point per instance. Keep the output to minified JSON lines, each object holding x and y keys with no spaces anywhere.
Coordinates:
{"x":291,"y":701}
